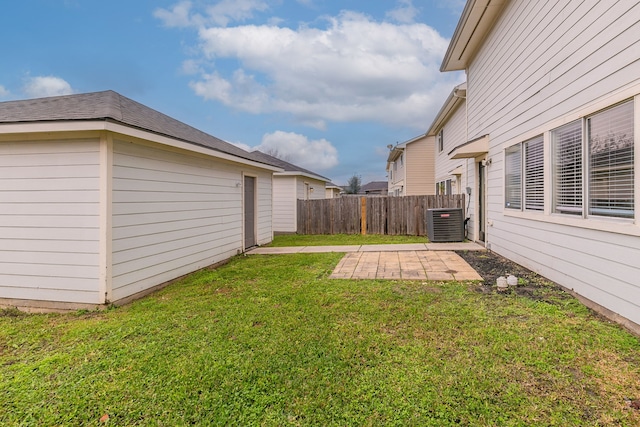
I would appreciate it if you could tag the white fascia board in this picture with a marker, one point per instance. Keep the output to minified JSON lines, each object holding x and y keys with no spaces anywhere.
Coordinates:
{"x":172,"y":142}
{"x":395,"y":153}
{"x":103,"y":125}
{"x":415,"y":139}
{"x":51,"y":127}
{"x":455,"y":98}
{"x":303,"y":174}
{"x":476,"y":21}
{"x":471,"y":149}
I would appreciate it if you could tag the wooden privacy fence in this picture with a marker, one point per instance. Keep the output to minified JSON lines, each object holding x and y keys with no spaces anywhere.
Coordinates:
{"x":371,"y":215}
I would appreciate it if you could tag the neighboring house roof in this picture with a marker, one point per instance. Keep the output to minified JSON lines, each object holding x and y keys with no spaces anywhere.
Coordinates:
{"x":289,"y":168}
{"x":395,"y":152}
{"x":110,"y":106}
{"x":475,"y":23}
{"x":374,"y":186}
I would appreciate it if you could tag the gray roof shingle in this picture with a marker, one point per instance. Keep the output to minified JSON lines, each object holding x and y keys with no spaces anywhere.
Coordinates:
{"x":288,"y":167}
{"x":111,"y":106}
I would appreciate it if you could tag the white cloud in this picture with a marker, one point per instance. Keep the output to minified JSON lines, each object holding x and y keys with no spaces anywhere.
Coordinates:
{"x":404,"y":13}
{"x":43,"y":86}
{"x":315,"y":155}
{"x":191,"y":67}
{"x":455,"y":6}
{"x":222,"y":13}
{"x":4,"y":92}
{"x":226,"y":11}
{"x":178,"y":16}
{"x":242,"y":145}
{"x":328,"y":74}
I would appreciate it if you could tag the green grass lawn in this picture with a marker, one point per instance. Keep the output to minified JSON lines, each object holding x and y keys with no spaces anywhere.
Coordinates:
{"x":270,"y":340}
{"x":342,"y":239}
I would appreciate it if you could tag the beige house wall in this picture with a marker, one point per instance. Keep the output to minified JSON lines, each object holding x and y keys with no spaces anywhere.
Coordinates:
{"x":419,"y":169}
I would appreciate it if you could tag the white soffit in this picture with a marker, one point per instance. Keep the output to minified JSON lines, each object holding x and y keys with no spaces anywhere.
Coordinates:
{"x":475,"y":23}
{"x":471,"y":149}
{"x":456,"y":171}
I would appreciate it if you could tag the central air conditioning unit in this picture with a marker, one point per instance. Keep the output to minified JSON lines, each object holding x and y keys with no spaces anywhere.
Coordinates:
{"x":445,"y":225}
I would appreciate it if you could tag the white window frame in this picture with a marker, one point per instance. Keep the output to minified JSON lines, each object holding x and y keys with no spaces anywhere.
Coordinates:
{"x":576,"y":199}
{"x":440,"y":140}
{"x":513,"y":177}
{"x":616,"y":165}
{"x":622,"y":226}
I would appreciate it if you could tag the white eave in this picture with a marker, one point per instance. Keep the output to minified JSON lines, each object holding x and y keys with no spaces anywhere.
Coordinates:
{"x":456,"y":171}
{"x":475,"y":23}
{"x":106,"y":125}
{"x":303,"y":174}
{"x":454,"y":100}
{"x":474,"y":148}
{"x":394,"y":154}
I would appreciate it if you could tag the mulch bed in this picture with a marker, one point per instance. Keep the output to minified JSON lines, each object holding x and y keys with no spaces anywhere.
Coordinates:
{"x":490,"y":266}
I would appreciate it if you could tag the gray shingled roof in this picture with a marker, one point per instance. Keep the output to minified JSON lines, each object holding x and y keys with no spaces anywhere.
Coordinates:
{"x":288,"y":167}
{"x":111,"y":106}
{"x":374,"y":186}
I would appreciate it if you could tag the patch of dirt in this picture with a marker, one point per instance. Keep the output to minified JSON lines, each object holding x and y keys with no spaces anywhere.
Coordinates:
{"x":12,"y":312}
{"x":490,"y":266}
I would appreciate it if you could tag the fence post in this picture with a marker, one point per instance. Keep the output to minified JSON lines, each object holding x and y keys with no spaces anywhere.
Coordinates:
{"x":363,"y":214}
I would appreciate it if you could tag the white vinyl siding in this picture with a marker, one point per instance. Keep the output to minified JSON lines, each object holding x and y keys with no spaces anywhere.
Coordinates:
{"x":284,"y":204}
{"x":455,"y":128}
{"x":264,"y":208}
{"x":544,"y":65}
{"x":49,"y":220}
{"x":173,"y":213}
{"x":309,"y":189}
{"x":562,"y":55}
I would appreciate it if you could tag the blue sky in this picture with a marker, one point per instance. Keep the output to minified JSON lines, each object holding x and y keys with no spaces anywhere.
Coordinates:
{"x":327,"y":84}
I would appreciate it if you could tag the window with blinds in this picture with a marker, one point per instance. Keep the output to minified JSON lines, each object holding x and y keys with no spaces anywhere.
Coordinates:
{"x":534,"y":174}
{"x":611,"y":171}
{"x":513,"y":177}
{"x":524,"y":175}
{"x":567,"y":173}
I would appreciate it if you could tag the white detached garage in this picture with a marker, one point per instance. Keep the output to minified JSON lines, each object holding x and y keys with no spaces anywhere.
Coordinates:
{"x":103,"y":199}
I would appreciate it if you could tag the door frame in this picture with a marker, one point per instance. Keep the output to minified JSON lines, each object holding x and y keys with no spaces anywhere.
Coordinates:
{"x":244,"y":210}
{"x":482,"y":202}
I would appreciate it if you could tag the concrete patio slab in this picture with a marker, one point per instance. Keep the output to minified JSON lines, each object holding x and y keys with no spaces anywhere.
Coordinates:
{"x":405,"y":265}
{"x":413,"y":261}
